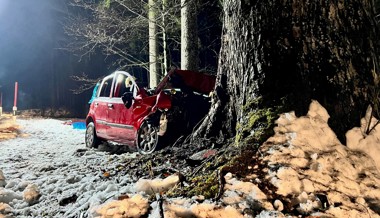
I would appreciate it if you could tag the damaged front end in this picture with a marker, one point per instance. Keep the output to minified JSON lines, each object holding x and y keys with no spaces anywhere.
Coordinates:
{"x":188,"y":92}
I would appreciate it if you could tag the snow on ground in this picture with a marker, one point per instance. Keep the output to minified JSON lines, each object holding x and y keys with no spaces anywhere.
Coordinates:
{"x":307,"y":163}
{"x":45,"y":175}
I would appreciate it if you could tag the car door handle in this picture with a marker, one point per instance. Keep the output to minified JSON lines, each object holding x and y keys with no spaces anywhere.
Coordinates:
{"x":138,"y":106}
{"x":110,"y":106}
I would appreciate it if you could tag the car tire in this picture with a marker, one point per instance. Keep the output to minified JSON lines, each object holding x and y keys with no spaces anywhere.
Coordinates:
{"x":92,"y":140}
{"x":147,"y":138}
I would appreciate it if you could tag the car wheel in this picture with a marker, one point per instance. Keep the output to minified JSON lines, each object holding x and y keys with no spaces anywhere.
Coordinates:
{"x":147,"y":138}
{"x":92,"y":140}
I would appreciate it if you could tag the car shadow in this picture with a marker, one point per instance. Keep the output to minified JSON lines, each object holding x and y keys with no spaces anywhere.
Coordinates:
{"x":115,"y":148}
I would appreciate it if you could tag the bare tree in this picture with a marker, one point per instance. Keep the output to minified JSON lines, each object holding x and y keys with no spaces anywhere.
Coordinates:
{"x":137,"y":33}
{"x":117,"y":29}
{"x":126,"y":31}
{"x":86,"y":83}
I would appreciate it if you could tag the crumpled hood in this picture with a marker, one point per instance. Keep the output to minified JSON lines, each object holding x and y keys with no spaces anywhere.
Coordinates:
{"x":187,"y":80}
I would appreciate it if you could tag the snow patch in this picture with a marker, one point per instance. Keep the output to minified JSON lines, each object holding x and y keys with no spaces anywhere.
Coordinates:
{"x":205,"y":210}
{"x":156,"y":185}
{"x":136,"y":206}
{"x":31,"y":194}
{"x":5,"y":209}
{"x":7,"y":196}
{"x":312,"y":160}
{"x":366,"y":138}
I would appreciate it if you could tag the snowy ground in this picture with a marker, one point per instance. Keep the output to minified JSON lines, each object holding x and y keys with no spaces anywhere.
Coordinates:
{"x":315,"y":172}
{"x":48,"y":157}
{"x":47,"y":173}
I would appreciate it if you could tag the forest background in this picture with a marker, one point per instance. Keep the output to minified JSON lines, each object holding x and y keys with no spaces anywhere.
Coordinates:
{"x":44,"y":44}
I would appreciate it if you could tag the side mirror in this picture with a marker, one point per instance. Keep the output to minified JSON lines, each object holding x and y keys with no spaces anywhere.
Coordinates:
{"x":127,"y":99}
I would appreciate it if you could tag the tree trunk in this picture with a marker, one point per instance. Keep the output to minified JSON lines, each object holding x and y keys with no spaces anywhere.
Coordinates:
{"x":278,"y":55}
{"x":164,"y":38}
{"x":189,"y":35}
{"x":153,"y":44}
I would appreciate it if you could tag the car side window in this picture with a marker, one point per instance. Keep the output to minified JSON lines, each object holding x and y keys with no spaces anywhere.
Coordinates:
{"x":125,"y":84}
{"x":105,"y":91}
{"x":120,"y":86}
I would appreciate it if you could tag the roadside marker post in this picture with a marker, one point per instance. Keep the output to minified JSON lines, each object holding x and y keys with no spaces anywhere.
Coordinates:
{"x":1,"y":104}
{"x":15,"y":99}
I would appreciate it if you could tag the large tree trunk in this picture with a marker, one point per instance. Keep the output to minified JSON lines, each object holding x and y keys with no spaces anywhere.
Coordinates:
{"x":189,"y":35}
{"x":278,"y":55}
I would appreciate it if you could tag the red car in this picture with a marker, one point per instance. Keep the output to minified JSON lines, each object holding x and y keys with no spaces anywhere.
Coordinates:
{"x":128,"y":114}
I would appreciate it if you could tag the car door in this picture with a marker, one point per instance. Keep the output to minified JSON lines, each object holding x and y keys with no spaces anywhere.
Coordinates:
{"x":100,"y":105}
{"x":120,"y":117}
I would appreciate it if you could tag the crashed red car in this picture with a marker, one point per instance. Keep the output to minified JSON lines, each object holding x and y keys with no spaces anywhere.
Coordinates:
{"x":126,"y":113}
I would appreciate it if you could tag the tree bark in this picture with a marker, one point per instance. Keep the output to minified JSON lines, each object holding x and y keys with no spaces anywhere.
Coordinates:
{"x":189,"y":35}
{"x":153,"y":44}
{"x":278,"y":55}
{"x":164,"y":38}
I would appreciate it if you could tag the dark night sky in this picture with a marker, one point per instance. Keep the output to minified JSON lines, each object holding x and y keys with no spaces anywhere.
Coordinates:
{"x":31,"y":33}
{"x":27,"y":32}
